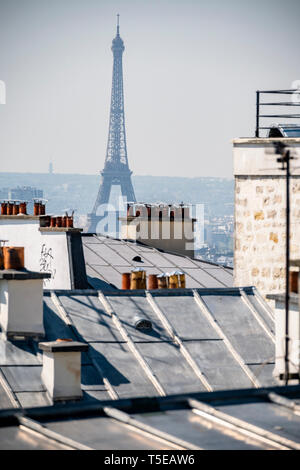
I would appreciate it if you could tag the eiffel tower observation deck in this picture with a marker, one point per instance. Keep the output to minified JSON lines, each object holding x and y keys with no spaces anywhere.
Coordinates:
{"x":116,"y":169}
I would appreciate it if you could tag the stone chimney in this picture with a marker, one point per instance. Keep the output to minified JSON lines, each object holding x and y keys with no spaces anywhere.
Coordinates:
{"x":260,"y":212}
{"x":166,"y":227}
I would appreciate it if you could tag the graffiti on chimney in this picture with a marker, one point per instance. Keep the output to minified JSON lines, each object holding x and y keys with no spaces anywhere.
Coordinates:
{"x":46,"y":262}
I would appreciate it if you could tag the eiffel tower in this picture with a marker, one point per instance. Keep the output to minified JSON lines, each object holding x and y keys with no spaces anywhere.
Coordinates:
{"x":116,"y":169}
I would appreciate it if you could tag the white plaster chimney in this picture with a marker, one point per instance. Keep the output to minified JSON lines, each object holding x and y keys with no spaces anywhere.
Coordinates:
{"x":61,"y":372}
{"x":294,"y":336}
{"x":21,"y":303}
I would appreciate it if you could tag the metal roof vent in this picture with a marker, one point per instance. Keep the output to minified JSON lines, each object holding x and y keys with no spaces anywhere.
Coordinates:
{"x":61,"y":372}
{"x":142,"y":324}
{"x":137,"y":259}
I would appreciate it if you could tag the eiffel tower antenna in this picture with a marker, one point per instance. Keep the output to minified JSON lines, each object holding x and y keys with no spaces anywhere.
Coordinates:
{"x":116,"y":169}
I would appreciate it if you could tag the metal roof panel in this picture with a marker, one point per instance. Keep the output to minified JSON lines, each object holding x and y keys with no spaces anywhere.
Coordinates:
{"x":92,"y":322}
{"x":127,"y":308}
{"x":122,"y":369}
{"x":186,"y":317}
{"x":241,"y":327}
{"x":24,"y":379}
{"x":170,"y":367}
{"x":218,"y":365}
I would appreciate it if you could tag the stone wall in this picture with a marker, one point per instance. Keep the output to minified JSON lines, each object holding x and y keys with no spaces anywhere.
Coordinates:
{"x":260,"y":216}
{"x":260,"y":225}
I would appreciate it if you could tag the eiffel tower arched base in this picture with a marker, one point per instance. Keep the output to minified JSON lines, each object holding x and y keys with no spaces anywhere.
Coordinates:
{"x":109,"y":179}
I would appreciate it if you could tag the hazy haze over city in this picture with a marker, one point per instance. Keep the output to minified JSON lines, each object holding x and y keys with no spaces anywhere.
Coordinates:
{"x":191,"y":69}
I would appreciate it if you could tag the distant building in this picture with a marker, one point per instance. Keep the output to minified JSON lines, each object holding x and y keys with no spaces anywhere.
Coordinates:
{"x":25,"y":193}
{"x":22,"y":193}
{"x":163,"y":226}
{"x":50,"y":168}
{"x":4,"y":193}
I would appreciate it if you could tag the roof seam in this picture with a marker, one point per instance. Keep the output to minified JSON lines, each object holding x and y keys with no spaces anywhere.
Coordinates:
{"x":170,"y":329}
{"x":119,"y":254}
{"x":262,"y":302}
{"x":179,"y":267}
{"x":9,"y":391}
{"x":32,"y":425}
{"x":95,"y":253}
{"x":66,"y":318}
{"x":196,"y":267}
{"x":256,"y":315}
{"x":206,"y":272}
{"x":205,"y":310}
{"x":154,"y":250}
{"x":139,"y":426}
{"x":142,"y":361}
{"x":242,"y":427}
{"x":100,"y":275}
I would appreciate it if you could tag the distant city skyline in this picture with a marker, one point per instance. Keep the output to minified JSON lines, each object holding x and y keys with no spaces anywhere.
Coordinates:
{"x":191,"y":70}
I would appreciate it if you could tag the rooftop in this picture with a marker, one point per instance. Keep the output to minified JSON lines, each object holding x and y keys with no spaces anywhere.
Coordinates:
{"x":107,"y":258}
{"x":201,"y":340}
{"x":264,"y":419}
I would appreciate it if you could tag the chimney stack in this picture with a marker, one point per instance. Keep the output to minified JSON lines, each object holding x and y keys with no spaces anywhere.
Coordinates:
{"x":294,"y":335}
{"x":61,"y":372}
{"x":162,"y":226}
{"x":21,"y":298}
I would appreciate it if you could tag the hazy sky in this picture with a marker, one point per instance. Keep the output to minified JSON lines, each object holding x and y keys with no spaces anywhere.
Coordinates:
{"x":191,"y":69}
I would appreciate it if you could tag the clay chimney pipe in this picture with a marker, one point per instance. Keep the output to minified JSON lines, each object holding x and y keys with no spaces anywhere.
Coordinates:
{"x":16,"y":208}
{"x":126,"y":281}
{"x":13,"y":257}
{"x":152,"y":282}
{"x":36,"y":208}
{"x":58,"y":221}
{"x":10,"y":207}
{"x":70,"y":222}
{"x":23,"y":208}
{"x":53,"y":222}
{"x":3,"y":208}
{"x":42,"y":209}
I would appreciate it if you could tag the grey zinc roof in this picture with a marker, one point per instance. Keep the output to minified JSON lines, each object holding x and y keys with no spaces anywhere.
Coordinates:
{"x":260,"y":419}
{"x":201,"y":340}
{"x":107,"y":258}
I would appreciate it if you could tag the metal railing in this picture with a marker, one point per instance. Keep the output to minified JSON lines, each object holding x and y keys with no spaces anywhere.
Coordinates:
{"x":276,"y":104}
